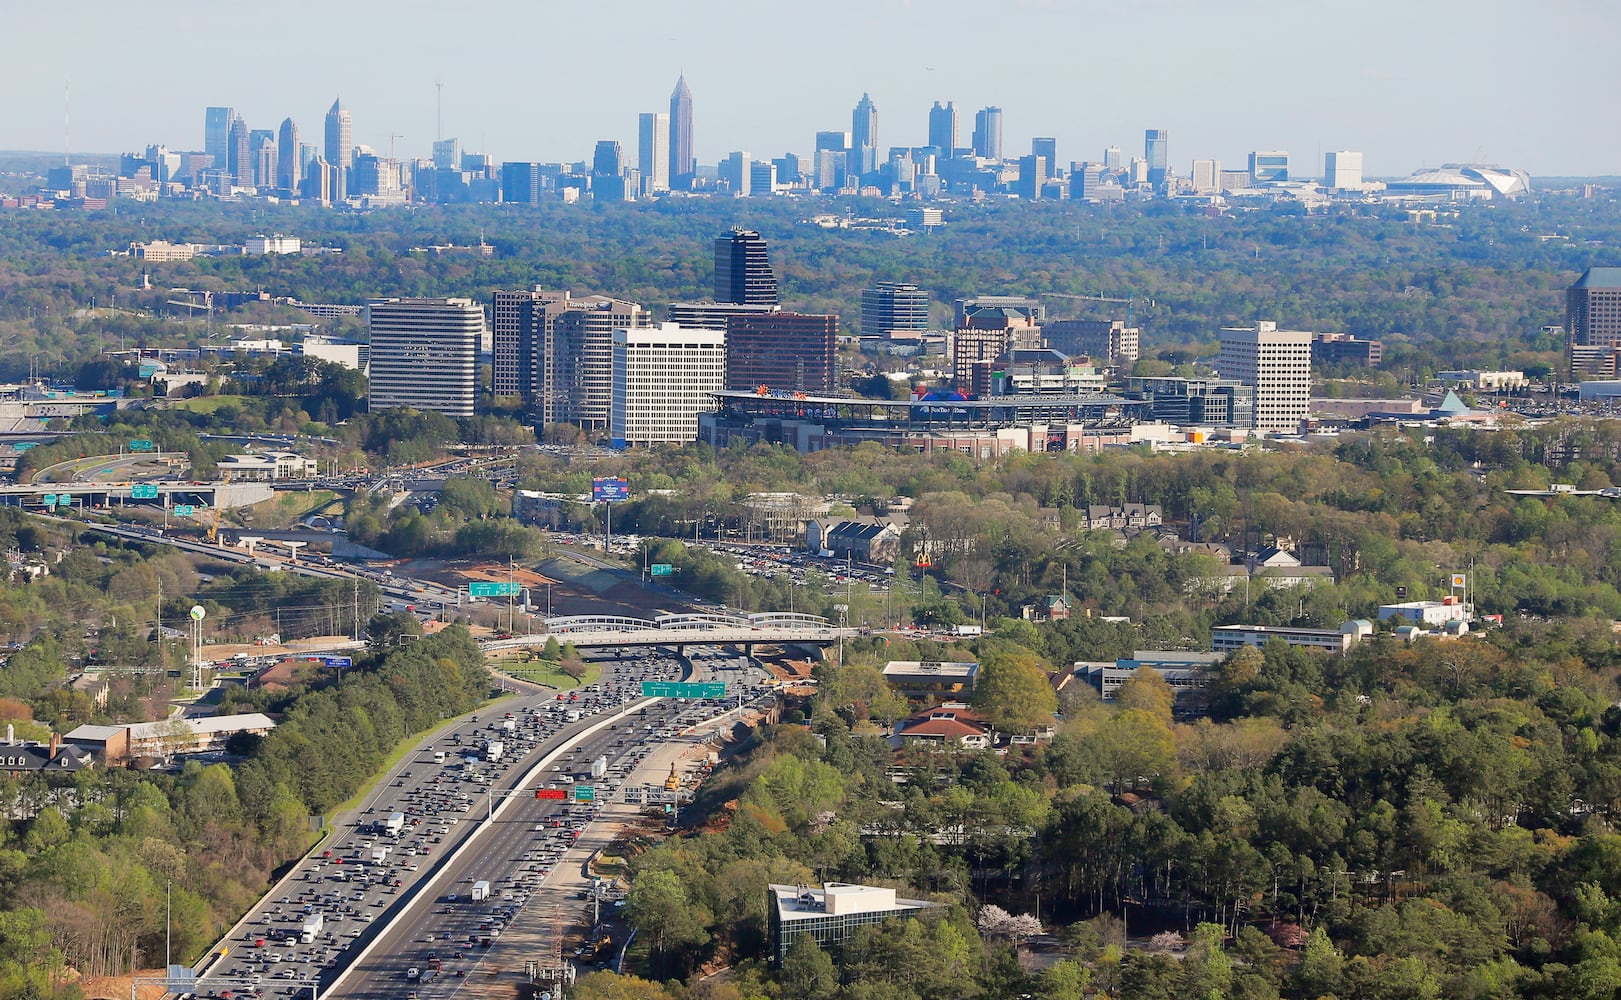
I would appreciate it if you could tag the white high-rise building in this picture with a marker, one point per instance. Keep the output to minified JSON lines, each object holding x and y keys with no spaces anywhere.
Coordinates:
{"x":424,"y":354}
{"x":1277,"y":364}
{"x":662,"y":377}
{"x":1206,"y":176}
{"x":653,"y":151}
{"x":1342,"y":170}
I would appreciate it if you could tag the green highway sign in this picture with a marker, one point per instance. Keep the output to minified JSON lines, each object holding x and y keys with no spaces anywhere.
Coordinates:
{"x":143,"y":492}
{"x":584,"y":793}
{"x":662,"y":569}
{"x":142,"y":444}
{"x":184,"y":510}
{"x":683,"y":690}
{"x":492,"y":590}
{"x":48,"y":499}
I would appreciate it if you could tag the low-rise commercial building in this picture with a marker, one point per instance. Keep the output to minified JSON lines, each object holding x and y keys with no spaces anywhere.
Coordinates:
{"x":931,"y":680}
{"x":830,"y":914}
{"x":1432,"y":613}
{"x":1226,"y":638}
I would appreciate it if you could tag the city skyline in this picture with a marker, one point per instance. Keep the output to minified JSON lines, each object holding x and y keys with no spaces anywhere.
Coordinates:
{"x":1226,"y":81}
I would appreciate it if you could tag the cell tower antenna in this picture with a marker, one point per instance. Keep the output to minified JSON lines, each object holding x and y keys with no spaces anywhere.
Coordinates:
{"x":439,"y":112}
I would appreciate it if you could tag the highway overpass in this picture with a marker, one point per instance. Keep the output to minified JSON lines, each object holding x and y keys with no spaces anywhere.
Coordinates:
{"x":679,"y":631}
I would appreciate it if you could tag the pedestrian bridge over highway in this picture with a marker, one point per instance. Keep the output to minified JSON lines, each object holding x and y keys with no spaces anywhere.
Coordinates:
{"x":747,"y":631}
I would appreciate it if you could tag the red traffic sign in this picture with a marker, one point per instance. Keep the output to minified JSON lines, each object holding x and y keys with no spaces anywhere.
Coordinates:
{"x":551,"y":793}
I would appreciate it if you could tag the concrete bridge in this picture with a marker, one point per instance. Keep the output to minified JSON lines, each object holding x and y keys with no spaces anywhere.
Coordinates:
{"x":680,"y":631}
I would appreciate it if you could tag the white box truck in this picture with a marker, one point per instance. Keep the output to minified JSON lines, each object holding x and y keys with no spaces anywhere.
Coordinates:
{"x":494,"y":750}
{"x":312,"y":927}
{"x":509,"y":725}
{"x":379,"y":855}
{"x":599,"y":767}
{"x":395,"y":823}
{"x":966,"y":630}
{"x":481,"y":890}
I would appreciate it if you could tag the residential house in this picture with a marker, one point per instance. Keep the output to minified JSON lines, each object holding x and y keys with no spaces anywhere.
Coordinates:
{"x":949,"y":727}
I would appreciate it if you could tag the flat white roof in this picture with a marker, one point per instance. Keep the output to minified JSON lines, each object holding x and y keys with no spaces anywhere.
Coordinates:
{"x":948,"y":669}
{"x":798,"y":902}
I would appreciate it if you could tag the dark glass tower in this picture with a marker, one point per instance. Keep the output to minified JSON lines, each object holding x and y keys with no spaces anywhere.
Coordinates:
{"x":683,"y":162}
{"x":943,"y":128}
{"x":743,"y":269}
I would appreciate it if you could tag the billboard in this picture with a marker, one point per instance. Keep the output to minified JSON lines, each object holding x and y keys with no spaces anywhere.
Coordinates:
{"x":609,"y":489}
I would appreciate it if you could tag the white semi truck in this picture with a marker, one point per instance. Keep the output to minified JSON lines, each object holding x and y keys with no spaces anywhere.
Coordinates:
{"x":313,"y":925}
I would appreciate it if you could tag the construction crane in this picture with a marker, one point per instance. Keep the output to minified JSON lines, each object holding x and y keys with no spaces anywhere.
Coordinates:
{"x":1130,"y":303}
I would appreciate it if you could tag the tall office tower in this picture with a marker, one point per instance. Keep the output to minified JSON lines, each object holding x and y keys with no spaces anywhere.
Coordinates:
{"x":307,"y":154}
{"x":791,"y":352}
{"x":424,"y":354}
{"x":712,"y":315}
{"x":1269,"y":166}
{"x":317,"y":183}
{"x":262,"y":157}
{"x":239,"y":162}
{"x":737,"y":173}
{"x":1342,"y":170}
{"x":1593,"y":322}
{"x":943,"y":129}
{"x":1111,"y":159}
{"x":683,"y":157}
{"x":743,"y":269}
{"x":653,"y":151}
{"x":1206,"y":176}
{"x":447,"y":154}
{"x":661,"y":379}
{"x":577,"y":375}
{"x":608,"y":159}
{"x":217,"y":134}
{"x":864,"y":136}
{"x":340,"y":147}
{"x":1107,"y":341}
{"x":1032,"y":175}
{"x":1157,"y":151}
{"x":790,"y":169}
{"x":539,"y":359}
{"x":762,"y":179}
{"x":1047,"y":149}
{"x":988,"y":133}
{"x":988,"y":326}
{"x":520,"y":182}
{"x":1277,"y":363}
{"x":289,"y":165}
{"x":893,"y":305}
{"x":376,"y":177}
{"x":1084,"y":181}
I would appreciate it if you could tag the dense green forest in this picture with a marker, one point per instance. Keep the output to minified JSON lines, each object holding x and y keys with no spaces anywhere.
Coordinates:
{"x":1400,"y":822}
{"x":1476,"y":286}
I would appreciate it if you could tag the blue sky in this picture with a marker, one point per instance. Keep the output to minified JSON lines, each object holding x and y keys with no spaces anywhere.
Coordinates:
{"x":1410,"y":83}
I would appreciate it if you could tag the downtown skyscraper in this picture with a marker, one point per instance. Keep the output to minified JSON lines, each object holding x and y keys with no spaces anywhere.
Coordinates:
{"x":683,"y":159}
{"x":988,"y":133}
{"x":289,"y":167}
{"x":864,"y":136}
{"x":943,"y":128}
{"x":217,"y":135}
{"x":340,"y":148}
{"x":653,"y":151}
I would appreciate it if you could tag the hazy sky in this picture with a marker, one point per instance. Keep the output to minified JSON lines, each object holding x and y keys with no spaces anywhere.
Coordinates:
{"x":1408,"y":82}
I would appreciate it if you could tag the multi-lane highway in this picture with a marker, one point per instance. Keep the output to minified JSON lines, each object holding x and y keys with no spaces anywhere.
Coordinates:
{"x":380,"y":892}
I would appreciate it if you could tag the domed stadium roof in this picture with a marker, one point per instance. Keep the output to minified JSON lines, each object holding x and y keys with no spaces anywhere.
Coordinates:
{"x":1477,"y":180}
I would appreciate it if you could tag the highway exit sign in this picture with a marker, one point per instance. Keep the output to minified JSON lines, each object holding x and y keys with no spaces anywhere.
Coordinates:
{"x":143,"y":492}
{"x":492,"y":589}
{"x":689,"y":690}
{"x":584,"y":793}
{"x":48,"y":499}
{"x":142,"y":444}
{"x":662,"y":569}
{"x":184,"y":510}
